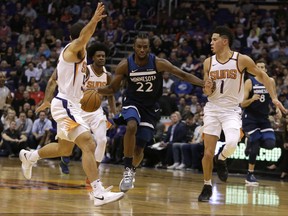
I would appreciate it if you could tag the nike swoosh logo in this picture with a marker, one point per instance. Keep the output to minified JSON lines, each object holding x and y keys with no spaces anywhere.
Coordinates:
{"x":25,"y":156}
{"x":156,"y":110}
{"x":134,"y":71}
{"x":100,"y":198}
{"x":214,"y":64}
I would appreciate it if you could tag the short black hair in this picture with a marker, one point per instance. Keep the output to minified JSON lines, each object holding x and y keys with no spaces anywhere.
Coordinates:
{"x":93,"y":48}
{"x":75,"y":30}
{"x":225,"y":31}
{"x":141,"y":35}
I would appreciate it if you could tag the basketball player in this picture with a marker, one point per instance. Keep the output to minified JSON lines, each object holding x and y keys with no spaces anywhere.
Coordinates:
{"x":222,"y":111}
{"x":255,"y":120}
{"x":140,"y":111}
{"x":66,"y":111}
{"x":97,"y":120}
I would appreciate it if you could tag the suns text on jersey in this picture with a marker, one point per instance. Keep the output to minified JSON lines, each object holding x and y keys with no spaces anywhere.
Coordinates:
{"x":223,"y":74}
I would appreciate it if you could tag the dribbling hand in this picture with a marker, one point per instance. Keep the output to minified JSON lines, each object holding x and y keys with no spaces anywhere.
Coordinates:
{"x":43,"y":106}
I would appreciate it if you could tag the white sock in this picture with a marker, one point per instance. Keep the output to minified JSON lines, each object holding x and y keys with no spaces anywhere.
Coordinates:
{"x":209,"y":182}
{"x":96,"y":184}
{"x":34,"y":156}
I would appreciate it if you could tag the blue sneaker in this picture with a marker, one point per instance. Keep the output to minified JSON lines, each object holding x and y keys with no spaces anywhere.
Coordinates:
{"x":251,"y":180}
{"x":64,"y":165}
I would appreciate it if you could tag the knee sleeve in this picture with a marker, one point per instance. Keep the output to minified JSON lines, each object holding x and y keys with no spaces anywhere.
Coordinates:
{"x":255,"y":147}
{"x":231,"y":139}
{"x":100,"y":138}
{"x":268,"y":144}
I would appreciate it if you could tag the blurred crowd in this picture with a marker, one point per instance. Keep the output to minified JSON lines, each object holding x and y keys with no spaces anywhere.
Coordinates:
{"x":33,"y":33}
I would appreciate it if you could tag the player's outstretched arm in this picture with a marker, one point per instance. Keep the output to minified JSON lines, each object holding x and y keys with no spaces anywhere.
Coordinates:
{"x":79,"y":44}
{"x":49,"y":92}
{"x":164,"y":65}
{"x":114,"y":86}
{"x":246,"y":62}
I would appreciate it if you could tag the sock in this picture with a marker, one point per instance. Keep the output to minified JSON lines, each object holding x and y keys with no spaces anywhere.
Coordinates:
{"x":209,"y":182}
{"x":128,"y":162}
{"x":221,"y":157}
{"x":96,"y":184}
{"x":34,"y":156}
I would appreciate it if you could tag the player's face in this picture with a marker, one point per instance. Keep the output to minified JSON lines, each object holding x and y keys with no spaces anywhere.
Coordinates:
{"x":217,"y":43}
{"x":141,"y":48}
{"x":262,"y":66}
{"x":99,"y":58}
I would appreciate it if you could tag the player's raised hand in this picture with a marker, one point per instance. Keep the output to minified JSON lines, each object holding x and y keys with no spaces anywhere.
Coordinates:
{"x":98,"y":15}
{"x":43,"y":106}
{"x":278,"y":104}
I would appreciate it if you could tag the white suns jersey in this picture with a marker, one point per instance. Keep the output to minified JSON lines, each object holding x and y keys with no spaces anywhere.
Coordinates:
{"x":71,"y":77}
{"x":96,"y":81}
{"x":229,"y":82}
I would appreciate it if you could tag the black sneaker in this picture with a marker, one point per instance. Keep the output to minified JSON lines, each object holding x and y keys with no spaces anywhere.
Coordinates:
{"x":205,"y":194}
{"x":222,"y":170}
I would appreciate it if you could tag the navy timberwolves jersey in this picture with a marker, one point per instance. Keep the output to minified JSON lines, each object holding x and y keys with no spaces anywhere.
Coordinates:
{"x":261,"y":106}
{"x":144,"y":83}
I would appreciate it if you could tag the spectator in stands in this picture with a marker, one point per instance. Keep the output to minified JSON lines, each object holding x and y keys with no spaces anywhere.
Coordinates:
{"x":7,"y":119}
{"x":167,"y":104}
{"x":176,"y":133}
{"x":36,"y":94}
{"x":29,"y":12}
{"x":32,"y":71}
{"x":5,"y":93}
{"x":5,"y":31}
{"x":25,"y":36}
{"x":271,"y":43}
{"x":41,"y":131}
{"x":26,"y":99}
{"x":24,"y":124}
{"x":13,"y":140}
{"x":167,"y":81}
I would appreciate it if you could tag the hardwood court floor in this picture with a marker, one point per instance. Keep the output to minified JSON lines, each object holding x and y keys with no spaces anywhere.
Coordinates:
{"x":156,"y":192}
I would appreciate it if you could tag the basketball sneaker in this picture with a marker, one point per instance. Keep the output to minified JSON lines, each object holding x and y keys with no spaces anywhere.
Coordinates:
{"x":27,"y":165}
{"x":128,"y":180}
{"x":64,"y":168}
{"x":103,"y":196}
{"x":251,"y":180}
{"x":222,"y":170}
{"x":91,"y":193}
{"x":205,"y":194}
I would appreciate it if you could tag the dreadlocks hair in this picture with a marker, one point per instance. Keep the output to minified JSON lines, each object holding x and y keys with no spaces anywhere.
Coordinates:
{"x":225,"y":32}
{"x":93,"y":48}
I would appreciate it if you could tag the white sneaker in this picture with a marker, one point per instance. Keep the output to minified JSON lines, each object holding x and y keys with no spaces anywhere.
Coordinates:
{"x":102,"y":197}
{"x":180,"y":167}
{"x":173,"y":166}
{"x":91,"y":193}
{"x":26,"y":163}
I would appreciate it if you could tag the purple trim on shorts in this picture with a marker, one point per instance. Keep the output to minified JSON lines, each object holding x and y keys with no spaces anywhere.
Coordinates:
{"x":65,"y":105}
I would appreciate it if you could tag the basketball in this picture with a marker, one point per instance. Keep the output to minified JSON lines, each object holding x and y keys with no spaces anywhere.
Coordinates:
{"x":90,"y":101}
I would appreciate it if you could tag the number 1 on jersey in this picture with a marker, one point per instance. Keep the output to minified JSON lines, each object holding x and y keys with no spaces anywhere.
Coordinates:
{"x":222,"y":86}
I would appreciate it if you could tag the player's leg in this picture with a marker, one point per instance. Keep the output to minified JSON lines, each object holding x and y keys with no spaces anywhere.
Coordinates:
{"x":254,"y":142}
{"x":129,"y":115}
{"x":51,"y":150}
{"x":87,"y":145}
{"x":99,"y":134}
{"x":211,"y":131}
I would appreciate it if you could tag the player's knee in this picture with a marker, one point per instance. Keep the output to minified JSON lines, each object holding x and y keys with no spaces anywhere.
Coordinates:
{"x":269,"y":143}
{"x":85,"y":142}
{"x":131,"y":127}
{"x":208,"y":154}
{"x":101,"y":141}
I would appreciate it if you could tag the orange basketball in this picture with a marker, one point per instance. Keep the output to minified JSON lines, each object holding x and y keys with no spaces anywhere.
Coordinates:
{"x":90,"y":101}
